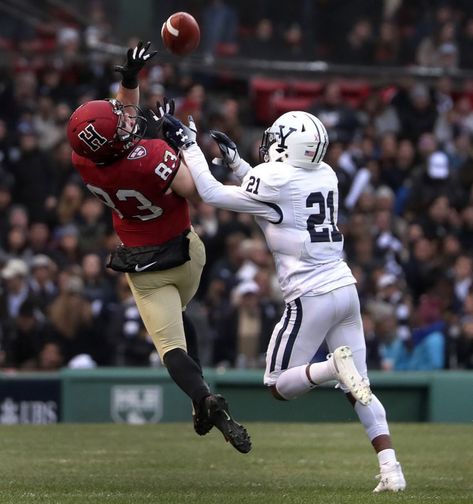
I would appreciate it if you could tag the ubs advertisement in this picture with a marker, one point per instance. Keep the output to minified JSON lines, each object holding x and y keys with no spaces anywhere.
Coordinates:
{"x":30,"y":401}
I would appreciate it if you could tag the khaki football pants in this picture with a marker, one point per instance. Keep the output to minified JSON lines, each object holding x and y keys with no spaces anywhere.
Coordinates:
{"x":162,"y":296}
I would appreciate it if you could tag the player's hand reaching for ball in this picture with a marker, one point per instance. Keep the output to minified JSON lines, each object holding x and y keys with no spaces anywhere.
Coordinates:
{"x":177,"y":134}
{"x":228,"y":149}
{"x":136,"y":59}
{"x":167,"y":107}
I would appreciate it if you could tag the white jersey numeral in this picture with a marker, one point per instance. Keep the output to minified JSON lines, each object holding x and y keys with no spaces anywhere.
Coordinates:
{"x":149,"y":211}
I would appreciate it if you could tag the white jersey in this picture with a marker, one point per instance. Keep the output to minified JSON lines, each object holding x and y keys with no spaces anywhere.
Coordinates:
{"x":306,"y":243}
{"x":297,"y":210}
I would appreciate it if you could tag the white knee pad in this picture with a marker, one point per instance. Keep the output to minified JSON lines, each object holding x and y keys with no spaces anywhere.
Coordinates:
{"x":373,"y":418}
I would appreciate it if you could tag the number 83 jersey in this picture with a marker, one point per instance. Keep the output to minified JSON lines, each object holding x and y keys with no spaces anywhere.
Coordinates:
{"x":136,"y":187}
{"x":306,"y":243}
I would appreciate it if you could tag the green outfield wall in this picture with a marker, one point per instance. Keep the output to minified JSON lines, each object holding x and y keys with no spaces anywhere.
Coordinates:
{"x":143,"y":395}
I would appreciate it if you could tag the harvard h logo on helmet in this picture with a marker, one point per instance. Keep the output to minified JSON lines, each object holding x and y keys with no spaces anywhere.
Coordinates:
{"x":92,"y":138}
{"x":297,"y":138}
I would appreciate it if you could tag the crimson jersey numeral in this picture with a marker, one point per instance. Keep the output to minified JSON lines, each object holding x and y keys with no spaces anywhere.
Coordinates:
{"x":317,"y":233}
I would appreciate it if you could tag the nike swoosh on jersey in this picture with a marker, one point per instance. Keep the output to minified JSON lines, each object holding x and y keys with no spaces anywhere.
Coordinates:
{"x":139,"y":268}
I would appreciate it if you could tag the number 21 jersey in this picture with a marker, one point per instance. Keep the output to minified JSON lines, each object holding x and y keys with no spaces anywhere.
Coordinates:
{"x":307,"y":245}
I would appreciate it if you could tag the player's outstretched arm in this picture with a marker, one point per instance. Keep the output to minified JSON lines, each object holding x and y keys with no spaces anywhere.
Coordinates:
{"x":136,"y":59}
{"x":183,"y":138}
{"x":230,"y":155}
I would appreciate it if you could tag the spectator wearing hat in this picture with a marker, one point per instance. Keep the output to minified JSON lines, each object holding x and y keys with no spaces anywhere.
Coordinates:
{"x":15,"y":288}
{"x":42,"y":284}
{"x":245,"y":328}
{"x":432,"y":180}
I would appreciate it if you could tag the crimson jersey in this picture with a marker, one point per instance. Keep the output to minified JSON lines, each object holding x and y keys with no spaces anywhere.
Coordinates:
{"x":136,"y":188}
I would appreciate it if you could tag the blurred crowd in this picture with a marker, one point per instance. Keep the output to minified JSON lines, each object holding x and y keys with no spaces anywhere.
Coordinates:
{"x":357,"y":32}
{"x":403,"y":154}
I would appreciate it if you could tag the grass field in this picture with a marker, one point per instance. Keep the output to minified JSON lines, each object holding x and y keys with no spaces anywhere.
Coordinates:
{"x":168,"y":463}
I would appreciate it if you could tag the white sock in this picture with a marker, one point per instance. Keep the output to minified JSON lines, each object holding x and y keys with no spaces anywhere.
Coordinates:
{"x":321,"y":372}
{"x":294,"y":382}
{"x":386,"y":457}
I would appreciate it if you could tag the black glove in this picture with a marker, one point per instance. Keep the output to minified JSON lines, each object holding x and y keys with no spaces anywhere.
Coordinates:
{"x":136,"y":59}
{"x":177,"y":134}
{"x":227,"y":148}
{"x":167,"y":107}
{"x":156,"y":126}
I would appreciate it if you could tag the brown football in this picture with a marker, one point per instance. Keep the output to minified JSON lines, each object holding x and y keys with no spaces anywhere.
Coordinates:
{"x":180,"y":33}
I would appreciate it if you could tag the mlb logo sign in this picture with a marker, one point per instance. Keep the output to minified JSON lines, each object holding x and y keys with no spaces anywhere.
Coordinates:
{"x":136,"y":404}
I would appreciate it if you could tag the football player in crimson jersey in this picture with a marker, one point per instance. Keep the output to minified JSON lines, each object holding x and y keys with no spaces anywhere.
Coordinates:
{"x":145,"y":184}
{"x":294,"y":196}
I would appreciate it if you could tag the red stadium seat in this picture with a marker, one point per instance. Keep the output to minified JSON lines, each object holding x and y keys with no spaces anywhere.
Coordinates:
{"x":355,"y":92}
{"x":306,"y":89}
{"x":283,"y":104}
{"x":262,"y":91}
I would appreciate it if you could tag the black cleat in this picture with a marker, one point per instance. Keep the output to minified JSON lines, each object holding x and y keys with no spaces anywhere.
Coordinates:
{"x":219,"y":414}
{"x":202,"y":422}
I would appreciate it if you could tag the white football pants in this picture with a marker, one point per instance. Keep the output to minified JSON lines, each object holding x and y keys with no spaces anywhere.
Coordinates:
{"x":308,"y":321}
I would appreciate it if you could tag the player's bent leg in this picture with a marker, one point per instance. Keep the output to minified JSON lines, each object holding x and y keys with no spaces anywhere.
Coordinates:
{"x":299,"y":380}
{"x":293,"y":344}
{"x":159,"y":304}
{"x":292,"y":383}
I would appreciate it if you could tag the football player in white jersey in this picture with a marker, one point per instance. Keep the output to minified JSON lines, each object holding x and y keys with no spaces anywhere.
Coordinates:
{"x":294,"y":196}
